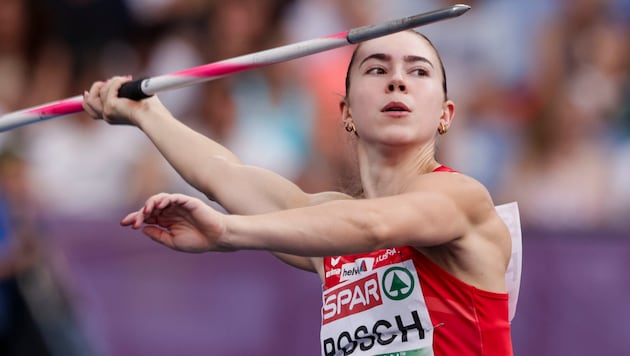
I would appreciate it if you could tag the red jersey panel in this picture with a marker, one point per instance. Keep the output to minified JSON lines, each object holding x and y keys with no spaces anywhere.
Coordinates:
{"x":464,"y":320}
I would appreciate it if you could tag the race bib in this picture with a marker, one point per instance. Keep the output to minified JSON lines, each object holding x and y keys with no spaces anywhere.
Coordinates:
{"x":380,"y":312}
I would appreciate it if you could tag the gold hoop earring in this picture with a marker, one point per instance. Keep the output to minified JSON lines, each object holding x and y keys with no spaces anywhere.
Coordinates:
{"x":442,"y":129}
{"x":349,"y":126}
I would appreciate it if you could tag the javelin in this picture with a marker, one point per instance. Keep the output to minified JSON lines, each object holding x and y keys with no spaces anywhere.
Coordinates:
{"x":144,"y":88}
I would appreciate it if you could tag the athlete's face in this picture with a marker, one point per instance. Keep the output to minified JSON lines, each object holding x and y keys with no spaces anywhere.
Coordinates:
{"x":396,"y":96}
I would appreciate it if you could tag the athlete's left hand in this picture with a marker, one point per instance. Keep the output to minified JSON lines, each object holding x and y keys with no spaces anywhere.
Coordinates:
{"x":180,"y":222}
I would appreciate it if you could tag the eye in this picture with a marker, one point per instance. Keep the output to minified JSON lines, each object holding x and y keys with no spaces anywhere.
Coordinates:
{"x":421,"y":72}
{"x":375,"y":70}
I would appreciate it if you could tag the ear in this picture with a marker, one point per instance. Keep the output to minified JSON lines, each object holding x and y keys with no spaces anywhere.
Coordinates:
{"x":448,"y":113}
{"x":344,"y":107}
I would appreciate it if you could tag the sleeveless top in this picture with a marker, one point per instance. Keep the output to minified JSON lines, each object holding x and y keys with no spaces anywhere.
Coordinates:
{"x":398,"y":302}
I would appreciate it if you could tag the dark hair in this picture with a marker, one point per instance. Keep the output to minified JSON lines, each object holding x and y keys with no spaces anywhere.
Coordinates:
{"x":354,"y":54}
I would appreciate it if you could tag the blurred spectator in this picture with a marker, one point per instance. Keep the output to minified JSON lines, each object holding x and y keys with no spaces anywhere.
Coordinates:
{"x":263,"y":116}
{"x":13,"y":52}
{"x":36,"y":316}
{"x":562,"y":179}
{"x":30,"y":58}
{"x":563,"y":176}
{"x":19,"y":333}
{"x":78,"y":165}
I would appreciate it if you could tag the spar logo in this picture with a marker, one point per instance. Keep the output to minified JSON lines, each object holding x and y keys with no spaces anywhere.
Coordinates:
{"x":353,"y":298}
{"x":398,"y":283}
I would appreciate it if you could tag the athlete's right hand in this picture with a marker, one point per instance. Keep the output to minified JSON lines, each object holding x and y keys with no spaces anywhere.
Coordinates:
{"x":101,"y":102}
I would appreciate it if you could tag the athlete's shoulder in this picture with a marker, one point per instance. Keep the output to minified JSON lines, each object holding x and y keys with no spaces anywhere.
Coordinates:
{"x":445,"y":178}
{"x":467,"y":193}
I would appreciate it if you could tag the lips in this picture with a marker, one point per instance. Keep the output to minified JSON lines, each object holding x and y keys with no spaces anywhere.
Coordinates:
{"x":395,"y":106}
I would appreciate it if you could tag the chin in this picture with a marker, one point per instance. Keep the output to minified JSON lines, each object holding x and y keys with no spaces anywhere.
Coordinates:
{"x":397,"y":138}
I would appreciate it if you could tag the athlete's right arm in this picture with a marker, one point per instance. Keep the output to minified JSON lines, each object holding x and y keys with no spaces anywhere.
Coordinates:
{"x":218,"y":173}
{"x":203,"y":163}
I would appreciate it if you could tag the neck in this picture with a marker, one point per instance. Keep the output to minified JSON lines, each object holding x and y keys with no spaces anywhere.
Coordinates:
{"x":390,"y":171}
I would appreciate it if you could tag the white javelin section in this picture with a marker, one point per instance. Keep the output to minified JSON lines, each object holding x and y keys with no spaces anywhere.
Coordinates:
{"x":202,"y":73}
{"x":32,"y":114}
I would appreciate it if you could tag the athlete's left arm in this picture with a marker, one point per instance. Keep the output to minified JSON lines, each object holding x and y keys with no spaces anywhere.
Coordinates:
{"x":438,"y":208}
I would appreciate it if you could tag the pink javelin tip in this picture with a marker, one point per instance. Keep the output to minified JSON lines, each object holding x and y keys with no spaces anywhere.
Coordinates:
{"x":60,"y":108}
{"x":217,"y":69}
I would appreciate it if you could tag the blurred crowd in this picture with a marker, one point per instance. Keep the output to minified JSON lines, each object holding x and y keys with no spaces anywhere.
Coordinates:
{"x":541,"y":89}
{"x":542,"y":93}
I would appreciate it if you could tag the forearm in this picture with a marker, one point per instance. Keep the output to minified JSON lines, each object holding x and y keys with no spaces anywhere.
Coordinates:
{"x":194,"y":156}
{"x":216,"y":171}
{"x":351,"y":226}
{"x":328,"y":229}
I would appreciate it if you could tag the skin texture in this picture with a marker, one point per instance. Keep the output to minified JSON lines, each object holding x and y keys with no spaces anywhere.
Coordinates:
{"x":396,"y":102}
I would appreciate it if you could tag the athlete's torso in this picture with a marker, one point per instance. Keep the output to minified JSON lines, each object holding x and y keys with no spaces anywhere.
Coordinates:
{"x":398,"y":302}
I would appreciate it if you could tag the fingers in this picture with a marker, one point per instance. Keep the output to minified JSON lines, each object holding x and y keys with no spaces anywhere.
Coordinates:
{"x":132,"y":219}
{"x":157,"y":202}
{"x":92,"y":104}
{"x":108,"y":94}
{"x":109,"y":91}
{"x":149,"y":211}
{"x":99,"y":101}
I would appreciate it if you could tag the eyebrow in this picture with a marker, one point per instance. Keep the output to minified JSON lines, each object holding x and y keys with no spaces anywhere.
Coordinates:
{"x":386,"y":58}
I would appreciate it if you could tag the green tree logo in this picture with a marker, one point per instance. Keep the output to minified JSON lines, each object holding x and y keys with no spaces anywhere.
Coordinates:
{"x":397,"y":283}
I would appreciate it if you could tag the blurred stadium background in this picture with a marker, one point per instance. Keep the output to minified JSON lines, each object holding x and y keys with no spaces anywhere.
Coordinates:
{"x":542,"y":90}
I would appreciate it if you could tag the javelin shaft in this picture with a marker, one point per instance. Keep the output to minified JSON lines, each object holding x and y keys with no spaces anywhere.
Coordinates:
{"x":143,"y":88}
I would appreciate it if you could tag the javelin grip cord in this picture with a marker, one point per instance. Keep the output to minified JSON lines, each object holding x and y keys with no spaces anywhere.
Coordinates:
{"x":133,"y":90}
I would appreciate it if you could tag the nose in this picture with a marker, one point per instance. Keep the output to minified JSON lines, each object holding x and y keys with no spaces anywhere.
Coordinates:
{"x":396,"y":86}
{"x":396,"y":82}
